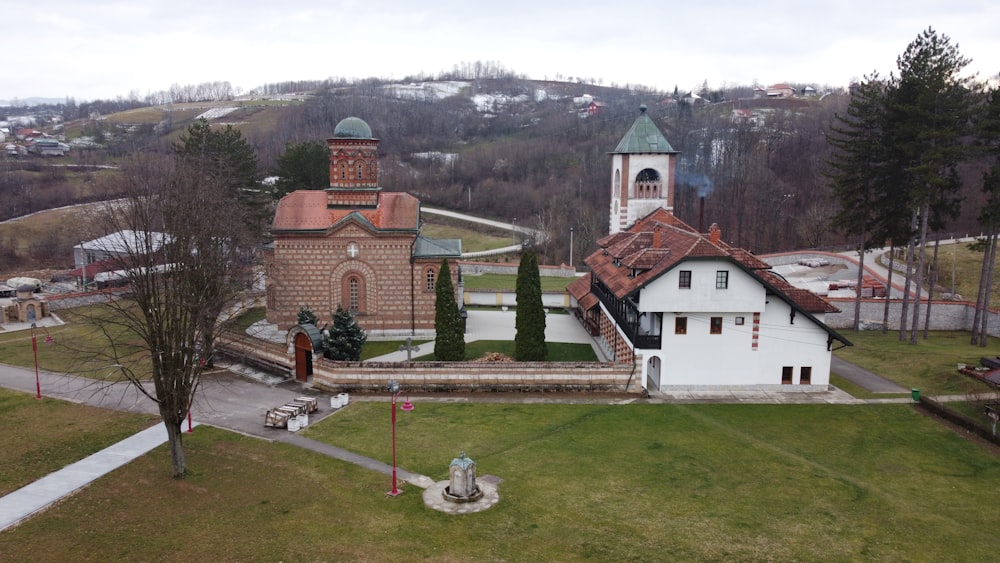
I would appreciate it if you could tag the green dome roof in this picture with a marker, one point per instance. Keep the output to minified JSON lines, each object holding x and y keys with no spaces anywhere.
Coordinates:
{"x":353,"y":128}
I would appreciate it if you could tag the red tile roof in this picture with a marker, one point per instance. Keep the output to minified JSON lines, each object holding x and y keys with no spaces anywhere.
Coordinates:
{"x":306,"y":210}
{"x":629,"y":260}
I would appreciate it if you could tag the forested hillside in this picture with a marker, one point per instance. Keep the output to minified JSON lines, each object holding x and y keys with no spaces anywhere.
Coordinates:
{"x":509,"y":148}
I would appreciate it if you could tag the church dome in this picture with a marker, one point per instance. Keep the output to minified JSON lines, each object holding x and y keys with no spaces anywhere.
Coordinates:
{"x":353,"y":128}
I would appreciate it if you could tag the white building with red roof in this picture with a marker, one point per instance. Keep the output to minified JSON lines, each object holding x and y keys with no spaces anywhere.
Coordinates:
{"x":691,"y":310}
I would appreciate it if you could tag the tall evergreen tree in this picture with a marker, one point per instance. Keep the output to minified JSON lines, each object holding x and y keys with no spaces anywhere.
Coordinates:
{"x":303,"y":166}
{"x":529,"y":339}
{"x":929,"y":108}
{"x":857,"y":168}
{"x":449,"y":341}
{"x":227,"y":159}
{"x":344,"y":340}
{"x":988,"y":138}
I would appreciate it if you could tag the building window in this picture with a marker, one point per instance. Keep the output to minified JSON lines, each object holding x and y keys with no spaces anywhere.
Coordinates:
{"x":786,"y":375}
{"x":684,"y":281}
{"x":805,"y":375}
{"x":343,"y":171}
{"x":430,"y":279}
{"x":353,"y":295}
{"x":680,"y":325}
{"x":360,"y":171}
{"x":722,"y":279}
{"x":715,"y":327}
{"x":739,"y":321}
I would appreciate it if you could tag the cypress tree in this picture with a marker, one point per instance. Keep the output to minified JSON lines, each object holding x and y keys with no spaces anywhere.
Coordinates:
{"x":449,"y":342}
{"x":529,"y":340}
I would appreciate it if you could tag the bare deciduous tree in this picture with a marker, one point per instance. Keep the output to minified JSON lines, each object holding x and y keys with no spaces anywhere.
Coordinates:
{"x":182,"y":243}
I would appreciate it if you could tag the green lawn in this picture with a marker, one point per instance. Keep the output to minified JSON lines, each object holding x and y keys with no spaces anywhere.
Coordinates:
{"x":375,"y":348}
{"x":508,"y":282}
{"x":77,"y":347}
{"x":930,"y":365}
{"x":41,"y":436}
{"x":637,"y":482}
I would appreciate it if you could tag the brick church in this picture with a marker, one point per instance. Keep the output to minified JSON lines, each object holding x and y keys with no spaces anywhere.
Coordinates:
{"x":356,"y":246}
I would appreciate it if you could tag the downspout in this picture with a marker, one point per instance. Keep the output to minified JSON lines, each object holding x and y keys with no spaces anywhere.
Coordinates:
{"x":413,"y":296}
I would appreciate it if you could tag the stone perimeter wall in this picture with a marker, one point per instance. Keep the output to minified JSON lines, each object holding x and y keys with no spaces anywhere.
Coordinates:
{"x":476,"y":376}
{"x":945,"y":315}
{"x":476,"y":268}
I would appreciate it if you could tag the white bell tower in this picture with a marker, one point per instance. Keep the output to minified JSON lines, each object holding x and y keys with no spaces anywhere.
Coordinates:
{"x":643,"y":166}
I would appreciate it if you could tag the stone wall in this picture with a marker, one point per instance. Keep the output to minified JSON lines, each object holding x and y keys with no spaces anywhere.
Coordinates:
{"x":945,"y":315}
{"x":476,"y":268}
{"x":475,"y":376}
{"x":486,"y":298}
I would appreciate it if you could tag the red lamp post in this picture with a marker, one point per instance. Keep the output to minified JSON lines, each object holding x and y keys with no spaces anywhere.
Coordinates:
{"x":407,"y":406}
{"x":34,"y":350}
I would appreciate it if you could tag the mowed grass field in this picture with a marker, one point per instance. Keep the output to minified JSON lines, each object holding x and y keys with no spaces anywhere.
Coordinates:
{"x":930,"y":365}
{"x":641,"y":482}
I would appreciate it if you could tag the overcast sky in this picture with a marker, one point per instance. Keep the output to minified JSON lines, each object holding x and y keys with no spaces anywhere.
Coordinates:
{"x":107,"y":48}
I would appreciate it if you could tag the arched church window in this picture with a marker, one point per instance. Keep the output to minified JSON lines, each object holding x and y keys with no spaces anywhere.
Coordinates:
{"x":361,"y":168}
{"x":353,"y":294}
{"x":618,"y":184}
{"x":343,"y":171}
{"x":429,"y":276}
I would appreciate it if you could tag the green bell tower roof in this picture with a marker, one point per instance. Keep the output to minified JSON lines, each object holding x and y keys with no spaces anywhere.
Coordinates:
{"x":643,"y":137}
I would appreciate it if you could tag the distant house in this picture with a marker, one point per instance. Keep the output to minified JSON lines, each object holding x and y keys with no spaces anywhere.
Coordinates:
{"x":115,"y":245}
{"x":102,"y":259}
{"x":693,"y":99}
{"x":809,"y":91}
{"x":596,"y":107}
{"x":47,"y":146}
{"x":24,"y":134}
{"x":743,"y":115}
{"x":780,"y":91}
{"x":759,"y":92}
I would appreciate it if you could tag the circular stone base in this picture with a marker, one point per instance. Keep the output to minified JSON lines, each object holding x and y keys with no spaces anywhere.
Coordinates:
{"x":433,"y":498}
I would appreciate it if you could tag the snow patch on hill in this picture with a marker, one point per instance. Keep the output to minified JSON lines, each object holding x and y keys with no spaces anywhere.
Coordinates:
{"x":426,"y":91}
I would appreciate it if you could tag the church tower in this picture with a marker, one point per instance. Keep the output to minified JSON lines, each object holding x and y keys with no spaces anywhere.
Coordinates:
{"x":353,"y":165}
{"x":643,"y":166}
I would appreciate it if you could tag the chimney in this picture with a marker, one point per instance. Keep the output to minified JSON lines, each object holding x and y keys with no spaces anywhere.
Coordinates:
{"x":657,"y":237}
{"x":714,"y":233}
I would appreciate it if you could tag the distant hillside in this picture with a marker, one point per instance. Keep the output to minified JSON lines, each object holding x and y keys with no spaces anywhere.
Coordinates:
{"x":512,"y":148}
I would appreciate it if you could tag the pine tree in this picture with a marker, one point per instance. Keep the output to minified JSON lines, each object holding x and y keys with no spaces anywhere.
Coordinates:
{"x":929,"y":108}
{"x":988,"y":134}
{"x":529,"y":339}
{"x":306,"y":316}
{"x":345,"y":338}
{"x":303,"y":166}
{"x":857,"y":167}
{"x":449,"y":341}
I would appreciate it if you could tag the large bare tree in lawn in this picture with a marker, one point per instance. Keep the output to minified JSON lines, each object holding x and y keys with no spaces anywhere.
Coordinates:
{"x":186,"y":248}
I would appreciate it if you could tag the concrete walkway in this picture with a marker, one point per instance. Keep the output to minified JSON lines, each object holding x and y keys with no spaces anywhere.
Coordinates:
{"x":864,"y":378}
{"x":37,"y":496}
